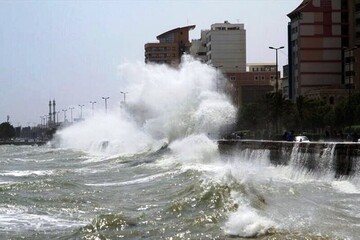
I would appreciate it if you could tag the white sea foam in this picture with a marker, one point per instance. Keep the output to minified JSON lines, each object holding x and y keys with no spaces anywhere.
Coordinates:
{"x":166,"y":104}
{"x":345,"y":186}
{"x":195,"y":149}
{"x":25,"y":173}
{"x":134,"y":181}
{"x":13,"y":219}
{"x":246,"y":222}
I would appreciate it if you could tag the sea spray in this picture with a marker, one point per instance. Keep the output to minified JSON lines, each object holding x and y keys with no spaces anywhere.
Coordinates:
{"x":108,"y":134}
{"x":247,"y":223}
{"x":166,"y":104}
{"x":203,"y":150}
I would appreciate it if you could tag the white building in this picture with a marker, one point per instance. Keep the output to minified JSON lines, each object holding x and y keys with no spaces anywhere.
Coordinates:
{"x":226,"y":47}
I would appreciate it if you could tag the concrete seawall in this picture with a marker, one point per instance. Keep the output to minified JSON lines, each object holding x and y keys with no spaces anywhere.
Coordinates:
{"x":18,"y":143}
{"x":340,"y":157}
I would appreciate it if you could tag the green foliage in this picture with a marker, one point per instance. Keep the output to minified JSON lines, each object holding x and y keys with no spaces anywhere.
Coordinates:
{"x":274,"y":113}
{"x":251,"y":116}
{"x":7,"y":131}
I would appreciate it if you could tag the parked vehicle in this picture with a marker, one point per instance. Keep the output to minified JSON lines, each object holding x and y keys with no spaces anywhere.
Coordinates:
{"x":301,"y":139}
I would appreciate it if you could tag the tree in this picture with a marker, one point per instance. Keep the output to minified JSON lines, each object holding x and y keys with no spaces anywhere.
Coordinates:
{"x":277,"y":109}
{"x":252,"y":116}
{"x":7,"y":131}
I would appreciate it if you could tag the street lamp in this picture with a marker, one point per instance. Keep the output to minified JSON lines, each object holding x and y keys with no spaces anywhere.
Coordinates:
{"x":124,"y":93}
{"x":92,"y":107}
{"x":276,"y":70}
{"x":64,"y":110}
{"x":57,"y":116}
{"x":81,"y":106}
{"x":45,"y":122}
{"x":71,"y":110}
{"x":105,"y":98}
{"x":217,"y":76}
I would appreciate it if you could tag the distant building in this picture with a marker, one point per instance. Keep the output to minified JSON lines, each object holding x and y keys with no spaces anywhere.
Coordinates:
{"x":251,"y":86}
{"x":226,"y":47}
{"x":171,"y":46}
{"x":198,"y":47}
{"x":322,"y":37}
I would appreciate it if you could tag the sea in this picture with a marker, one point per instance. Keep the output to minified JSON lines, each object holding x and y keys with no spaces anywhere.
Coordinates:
{"x":152,"y":170}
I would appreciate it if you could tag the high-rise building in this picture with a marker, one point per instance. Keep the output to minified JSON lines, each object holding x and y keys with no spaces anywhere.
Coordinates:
{"x":171,"y":46}
{"x":351,"y":23}
{"x":322,"y":48}
{"x":226,"y":47}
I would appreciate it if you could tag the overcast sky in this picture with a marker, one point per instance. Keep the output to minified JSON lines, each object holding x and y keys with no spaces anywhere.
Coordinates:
{"x":70,"y":50}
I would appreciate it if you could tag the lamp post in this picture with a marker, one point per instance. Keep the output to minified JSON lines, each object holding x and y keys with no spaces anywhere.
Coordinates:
{"x":41,"y":124}
{"x":71,"y":111}
{"x":45,"y":122}
{"x":276,"y":70}
{"x":57,"y":116}
{"x":81,"y":106}
{"x":217,"y":76}
{"x":105,"y":98}
{"x":124,"y":93}
{"x":64,"y":111}
{"x":92,"y":107}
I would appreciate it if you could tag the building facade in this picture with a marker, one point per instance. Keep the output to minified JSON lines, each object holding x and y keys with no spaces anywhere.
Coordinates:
{"x":198,"y":47}
{"x":171,"y":46}
{"x":323,"y":35}
{"x":251,"y":86}
{"x":226,"y":47}
{"x":351,"y":21}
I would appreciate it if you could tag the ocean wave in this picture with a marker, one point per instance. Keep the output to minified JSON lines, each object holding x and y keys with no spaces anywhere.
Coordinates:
{"x":135,"y":181}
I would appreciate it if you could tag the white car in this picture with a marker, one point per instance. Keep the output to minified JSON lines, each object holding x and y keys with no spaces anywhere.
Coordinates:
{"x":301,"y":139}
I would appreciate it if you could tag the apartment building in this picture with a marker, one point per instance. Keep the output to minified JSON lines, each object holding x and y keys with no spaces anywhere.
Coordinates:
{"x":171,"y":46}
{"x":351,"y":23}
{"x":323,"y":54}
{"x":226,"y":46}
{"x":251,"y":86}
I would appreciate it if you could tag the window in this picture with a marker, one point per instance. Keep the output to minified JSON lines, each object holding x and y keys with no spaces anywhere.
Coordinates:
{"x":232,"y":78}
{"x":256,"y":78}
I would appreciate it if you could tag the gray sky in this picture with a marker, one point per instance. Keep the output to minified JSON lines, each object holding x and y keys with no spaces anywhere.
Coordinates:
{"x":70,"y":50}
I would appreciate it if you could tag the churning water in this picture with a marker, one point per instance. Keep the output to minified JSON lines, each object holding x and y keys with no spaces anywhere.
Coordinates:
{"x":153,"y":171}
